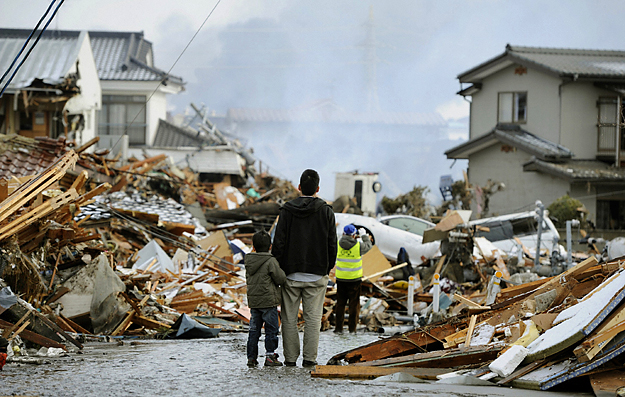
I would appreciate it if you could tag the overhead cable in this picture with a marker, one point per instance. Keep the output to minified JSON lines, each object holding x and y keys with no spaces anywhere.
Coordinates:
{"x":31,"y":48}
{"x":27,"y":41}
{"x":169,"y":71}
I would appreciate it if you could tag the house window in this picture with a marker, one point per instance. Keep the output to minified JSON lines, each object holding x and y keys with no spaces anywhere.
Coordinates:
{"x":512,"y":107}
{"x":607,"y":123}
{"x":123,"y":115}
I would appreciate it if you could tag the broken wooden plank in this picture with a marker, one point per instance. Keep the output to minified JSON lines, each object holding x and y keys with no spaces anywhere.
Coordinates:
{"x":34,"y":337}
{"x":148,"y":322}
{"x":469,"y":302}
{"x":87,"y":145}
{"x":9,"y":330}
{"x":362,"y":372}
{"x":123,"y":326}
{"x":473,"y":356}
{"x":439,"y":266}
{"x":607,"y":383}
{"x":74,"y":325}
{"x":414,"y":341}
{"x":380,"y":273}
{"x":470,"y":330}
{"x":19,"y":330}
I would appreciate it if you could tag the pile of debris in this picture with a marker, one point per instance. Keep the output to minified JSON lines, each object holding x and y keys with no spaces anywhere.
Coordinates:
{"x":534,"y":335}
{"x":93,"y":249}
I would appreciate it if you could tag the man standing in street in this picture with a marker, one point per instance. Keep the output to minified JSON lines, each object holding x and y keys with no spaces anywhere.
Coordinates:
{"x":305,"y":246}
{"x":349,"y":275}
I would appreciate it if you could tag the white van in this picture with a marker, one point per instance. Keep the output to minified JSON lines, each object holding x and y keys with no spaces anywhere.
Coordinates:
{"x":524,"y":226}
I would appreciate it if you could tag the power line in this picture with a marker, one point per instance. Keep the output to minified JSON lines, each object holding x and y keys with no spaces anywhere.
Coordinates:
{"x":31,"y":48}
{"x":27,"y":41}
{"x":167,"y":74}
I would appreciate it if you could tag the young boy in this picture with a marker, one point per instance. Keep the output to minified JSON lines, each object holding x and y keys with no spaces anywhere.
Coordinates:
{"x":263,"y":276}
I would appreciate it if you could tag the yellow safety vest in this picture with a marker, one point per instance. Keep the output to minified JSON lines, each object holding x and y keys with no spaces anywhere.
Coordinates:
{"x":349,"y":263}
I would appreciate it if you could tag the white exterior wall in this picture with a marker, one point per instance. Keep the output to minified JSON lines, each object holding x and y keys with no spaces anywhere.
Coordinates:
{"x":579,"y":118}
{"x":90,"y":98}
{"x":156,"y":108}
{"x":344,"y":185}
{"x":542,"y":102}
{"x":522,"y":189}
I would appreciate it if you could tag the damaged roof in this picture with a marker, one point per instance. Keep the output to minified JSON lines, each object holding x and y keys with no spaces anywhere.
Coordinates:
{"x":170,"y":135}
{"x":565,"y":62}
{"x":578,"y":170}
{"x":126,"y":56}
{"x":23,"y":156}
{"x":50,"y":61}
{"x":515,"y":136}
{"x":209,"y":160}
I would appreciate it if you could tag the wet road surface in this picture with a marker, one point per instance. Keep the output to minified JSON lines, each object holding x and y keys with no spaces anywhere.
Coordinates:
{"x":209,"y":366}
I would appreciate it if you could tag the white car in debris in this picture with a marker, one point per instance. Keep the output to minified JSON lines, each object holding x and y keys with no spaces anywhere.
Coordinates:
{"x":392,"y":232}
{"x":524,"y":226}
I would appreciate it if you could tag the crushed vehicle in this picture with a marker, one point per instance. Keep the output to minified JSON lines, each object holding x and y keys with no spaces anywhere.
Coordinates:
{"x":502,"y":230}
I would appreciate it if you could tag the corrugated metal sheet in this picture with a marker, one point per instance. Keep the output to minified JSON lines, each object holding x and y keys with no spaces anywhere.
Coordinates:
{"x":169,"y":135}
{"x":214,"y":159}
{"x":50,"y":60}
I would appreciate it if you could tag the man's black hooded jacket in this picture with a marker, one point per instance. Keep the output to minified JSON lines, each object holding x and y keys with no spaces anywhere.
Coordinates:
{"x":305,"y":238}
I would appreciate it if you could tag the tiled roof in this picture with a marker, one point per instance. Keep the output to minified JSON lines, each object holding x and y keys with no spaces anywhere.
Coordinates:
{"x":573,"y":63}
{"x":570,"y":61}
{"x":171,"y":136}
{"x":125,"y":56}
{"x":578,"y":170}
{"x":117,"y":55}
{"x":22,"y":156}
{"x":50,"y":61}
{"x":515,"y":136}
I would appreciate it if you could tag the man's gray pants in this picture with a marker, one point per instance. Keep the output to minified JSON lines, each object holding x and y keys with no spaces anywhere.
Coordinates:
{"x":312,"y":296}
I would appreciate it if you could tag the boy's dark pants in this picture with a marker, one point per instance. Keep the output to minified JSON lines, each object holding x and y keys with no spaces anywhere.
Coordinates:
{"x":268,"y":317}
{"x":347,"y":291}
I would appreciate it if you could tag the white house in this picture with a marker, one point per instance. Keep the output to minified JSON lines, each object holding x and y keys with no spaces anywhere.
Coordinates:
{"x":548,"y":122}
{"x":133,"y":98}
{"x":56,"y":91}
{"x":113,"y":85}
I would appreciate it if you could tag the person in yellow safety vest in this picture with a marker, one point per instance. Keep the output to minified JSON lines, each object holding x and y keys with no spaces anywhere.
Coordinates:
{"x":348,"y":272}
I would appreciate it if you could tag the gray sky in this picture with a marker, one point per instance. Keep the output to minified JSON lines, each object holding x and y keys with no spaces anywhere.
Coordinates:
{"x":282,"y":54}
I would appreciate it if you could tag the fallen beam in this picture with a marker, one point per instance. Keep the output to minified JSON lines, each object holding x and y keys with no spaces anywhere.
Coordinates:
{"x":362,"y":372}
